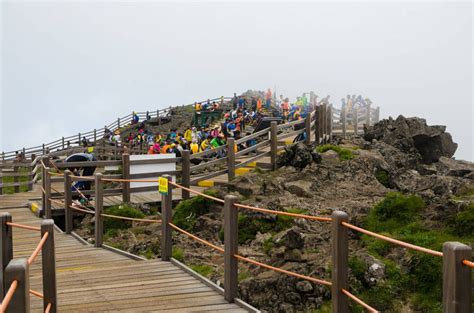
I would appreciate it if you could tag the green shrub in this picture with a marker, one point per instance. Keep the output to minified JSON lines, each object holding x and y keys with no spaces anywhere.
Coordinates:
{"x":178,"y":254}
{"x":202,"y":269}
{"x":358,"y":267}
{"x":463,"y":222}
{"x":187,"y":211}
{"x":268,"y":245}
{"x":383,"y":177}
{"x":344,"y":154}
{"x":121,"y":210}
{"x":394,"y":211}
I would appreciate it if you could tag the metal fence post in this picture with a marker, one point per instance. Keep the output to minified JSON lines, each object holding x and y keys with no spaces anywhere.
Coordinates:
{"x":230,"y":159}
{"x":68,"y":218}
{"x":6,"y":246}
{"x":185,"y":173}
{"x":47,"y":193}
{"x":166,"y":216}
{"x":49,"y":266}
{"x":307,"y":125}
{"x":99,"y":206}
{"x":457,"y":278}
{"x":126,"y":175}
{"x":231,"y":241}
{"x":340,"y":252}
{"x":18,"y":269}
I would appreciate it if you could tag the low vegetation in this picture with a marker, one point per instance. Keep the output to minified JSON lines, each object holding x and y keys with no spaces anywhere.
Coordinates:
{"x":187,"y":211}
{"x":121,"y":210}
{"x":344,"y":154}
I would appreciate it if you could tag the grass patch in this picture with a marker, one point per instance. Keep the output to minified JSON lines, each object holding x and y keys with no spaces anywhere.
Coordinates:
{"x":398,"y":216}
{"x":344,"y":154}
{"x":203,"y":269}
{"x":121,"y":210}
{"x":178,"y":254}
{"x":268,"y":245}
{"x":187,"y":211}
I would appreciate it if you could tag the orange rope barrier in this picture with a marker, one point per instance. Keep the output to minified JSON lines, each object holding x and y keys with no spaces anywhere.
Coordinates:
{"x":48,"y":308}
{"x":197,"y":238}
{"x":40,"y":245}
{"x":468,"y":263}
{"x":36,"y":293}
{"x":8,"y":296}
{"x":197,"y":192}
{"x":395,"y":241}
{"x":308,"y":217}
{"x":23,"y":226}
{"x":131,"y":218}
{"x":359,"y":301}
{"x":280,"y":270}
{"x":81,"y":210}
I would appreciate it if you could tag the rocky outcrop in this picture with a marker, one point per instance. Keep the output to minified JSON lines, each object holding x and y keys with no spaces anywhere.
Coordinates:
{"x":298,"y":156}
{"x":414,"y":136}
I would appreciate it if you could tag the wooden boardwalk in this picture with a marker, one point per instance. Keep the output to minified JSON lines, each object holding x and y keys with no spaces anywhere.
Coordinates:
{"x":93,"y":279}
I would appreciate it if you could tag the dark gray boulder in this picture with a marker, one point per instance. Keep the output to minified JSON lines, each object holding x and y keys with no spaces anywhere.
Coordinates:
{"x":412,"y":135}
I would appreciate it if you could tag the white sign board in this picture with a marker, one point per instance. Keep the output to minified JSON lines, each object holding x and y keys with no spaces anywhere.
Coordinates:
{"x":151,"y":168}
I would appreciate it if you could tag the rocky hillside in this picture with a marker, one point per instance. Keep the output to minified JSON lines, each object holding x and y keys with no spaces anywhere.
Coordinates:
{"x":398,"y":179}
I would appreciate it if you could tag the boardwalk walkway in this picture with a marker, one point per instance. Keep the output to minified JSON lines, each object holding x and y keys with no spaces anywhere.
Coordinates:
{"x":93,"y":279}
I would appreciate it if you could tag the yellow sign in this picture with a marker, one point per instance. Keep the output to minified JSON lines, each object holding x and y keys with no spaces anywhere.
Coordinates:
{"x":90,"y":149}
{"x":163,"y":185}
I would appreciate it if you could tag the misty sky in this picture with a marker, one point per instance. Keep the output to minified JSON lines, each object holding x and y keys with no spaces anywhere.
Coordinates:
{"x":71,"y":66}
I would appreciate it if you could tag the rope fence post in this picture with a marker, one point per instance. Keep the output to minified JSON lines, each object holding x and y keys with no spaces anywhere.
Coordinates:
{"x":307,"y":126}
{"x":340,"y":254}
{"x":457,"y":278}
{"x":185,"y":173}
{"x":47,"y":193}
{"x":273,"y":144}
{"x":99,"y":206}
{"x":230,"y":158}
{"x":6,"y":248}
{"x":18,"y":269}
{"x":68,"y":214}
{"x":126,"y":175}
{"x":231,"y":241}
{"x":166,"y":216}
{"x":49,"y":266}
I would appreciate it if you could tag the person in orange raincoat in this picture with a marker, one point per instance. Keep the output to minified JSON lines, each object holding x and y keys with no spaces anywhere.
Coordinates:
{"x":259,"y":104}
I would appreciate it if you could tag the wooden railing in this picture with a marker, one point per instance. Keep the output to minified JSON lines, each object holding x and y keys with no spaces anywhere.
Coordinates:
{"x":15,"y":278}
{"x":94,"y":135}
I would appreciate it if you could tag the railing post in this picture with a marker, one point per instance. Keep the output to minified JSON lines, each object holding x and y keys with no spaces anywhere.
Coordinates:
{"x":377,"y":115}
{"x":32,"y":174}
{"x":307,"y":125}
{"x":231,"y":242}
{"x":68,"y":218}
{"x":18,"y":269}
{"x":49,"y":266}
{"x":47,"y":193}
{"x":329,"y":125}
{"x":118,"y":123}
{"x":166,"y":216}
{"x":230,"y":159}
{"x":126,"y":175}
{"x":6,"y":246}
{"x":158,"y":117}
{"x":457,"y":278}
{"x":185,"y":173}
{"x":319,"y":127}
{"x":344,"y":122}
{"x":367,"y":116}
{"x":95,"y":136}
{"x":273,"y":144}
{"x":16,"y":179}
{"x":79,"y":140}
{"x":99,"y":206}
{"x":355,"y":118}
{"x":340,"y":252}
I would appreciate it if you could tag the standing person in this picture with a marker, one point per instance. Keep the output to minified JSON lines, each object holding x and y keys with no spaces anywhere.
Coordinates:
{"x":268,"y":98}
{"x":254,"y":104}
{"x":259,"y":104}
{"x":235,"y":101}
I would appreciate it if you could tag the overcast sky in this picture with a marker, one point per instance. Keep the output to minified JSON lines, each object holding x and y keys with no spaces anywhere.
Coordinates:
{"x":69,"y":66}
